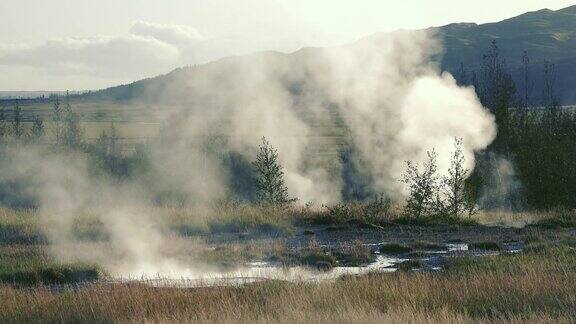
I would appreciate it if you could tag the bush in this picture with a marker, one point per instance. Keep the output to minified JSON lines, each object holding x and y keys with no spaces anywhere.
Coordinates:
{"x":422,"y":186}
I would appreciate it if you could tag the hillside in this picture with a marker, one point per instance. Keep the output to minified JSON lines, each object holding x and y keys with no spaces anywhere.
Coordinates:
{"x":544,"y":34}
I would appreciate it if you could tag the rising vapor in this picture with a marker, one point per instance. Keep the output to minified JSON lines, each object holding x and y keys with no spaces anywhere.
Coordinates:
{"x":393,"y":102}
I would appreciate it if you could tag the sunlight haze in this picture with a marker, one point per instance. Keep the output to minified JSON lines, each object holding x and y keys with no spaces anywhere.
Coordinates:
{"x":71,"y":44}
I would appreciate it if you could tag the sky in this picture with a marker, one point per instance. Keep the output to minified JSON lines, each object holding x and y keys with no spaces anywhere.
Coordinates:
{"x":80,"y":44}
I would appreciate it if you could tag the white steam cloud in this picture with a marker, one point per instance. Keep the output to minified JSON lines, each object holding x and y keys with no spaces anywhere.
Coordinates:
{"x":171,"y":34}
{"x":382,"y":91}
{"x":398,"y":106}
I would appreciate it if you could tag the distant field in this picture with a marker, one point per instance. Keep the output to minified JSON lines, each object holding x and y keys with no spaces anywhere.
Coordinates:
{"x":95,"y":111}
{"x":137,"y":123}
{"x":127,"y":131}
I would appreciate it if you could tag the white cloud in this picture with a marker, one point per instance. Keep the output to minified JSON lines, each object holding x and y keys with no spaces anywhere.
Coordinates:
{"x":172,"y":34}
{"x":146,"y":50}
{"x":118,"y":56}
{"x":149,"y":49}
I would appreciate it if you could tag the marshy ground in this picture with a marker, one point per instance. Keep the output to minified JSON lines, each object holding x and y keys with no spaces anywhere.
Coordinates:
{"x":509,"y":267}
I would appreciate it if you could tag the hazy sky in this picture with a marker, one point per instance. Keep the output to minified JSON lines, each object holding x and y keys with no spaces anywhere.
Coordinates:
{"x":81,"y":44}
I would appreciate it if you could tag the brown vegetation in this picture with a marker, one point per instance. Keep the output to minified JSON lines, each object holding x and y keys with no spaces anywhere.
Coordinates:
{"x":537,"y":286}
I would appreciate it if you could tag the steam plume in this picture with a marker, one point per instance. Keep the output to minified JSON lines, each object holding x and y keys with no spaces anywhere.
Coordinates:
{"x":391,"y":101}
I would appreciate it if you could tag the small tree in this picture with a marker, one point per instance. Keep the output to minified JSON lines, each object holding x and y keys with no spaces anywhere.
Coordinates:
{"x":17,"y":127}
{"x":3,"y":128}
{"x":37,"y":129}
{"x":107,"y":150}
{"x":422,"y":186}
{"x":496,"y":90}
{"x":455,"y":199}
{"x":72,"y":133}
{"x":57,"y":118}
{"x":270,"y":186}
{"x":549,"y":98}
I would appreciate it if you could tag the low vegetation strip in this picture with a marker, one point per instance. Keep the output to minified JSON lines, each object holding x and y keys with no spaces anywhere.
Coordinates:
{"x":53,"y":275}
{"x":536,"y":286}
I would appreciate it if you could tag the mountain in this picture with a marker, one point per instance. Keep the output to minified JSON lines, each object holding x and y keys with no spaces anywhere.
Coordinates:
{"x":544,"y":35}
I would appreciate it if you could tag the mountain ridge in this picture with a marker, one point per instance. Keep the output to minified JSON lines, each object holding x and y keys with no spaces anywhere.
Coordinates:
{"x":546,"y":35}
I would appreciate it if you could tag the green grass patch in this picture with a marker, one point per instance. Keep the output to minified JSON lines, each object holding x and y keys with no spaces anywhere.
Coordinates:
{"x":409,"y":265}
{"x":433,"y":221}
{"x":243,"y":226}
{"x":314,"y":256}
{"x":354,"y":255}
{"x":56,"y":274}
{"x":318,"y":260}
{"x":543,"y":257}
{"x":485,"y":246}
{"x":29,"y":265}
{"x":395,"y":249}
{"x":557,"y":222}
{"x":234,"y":227}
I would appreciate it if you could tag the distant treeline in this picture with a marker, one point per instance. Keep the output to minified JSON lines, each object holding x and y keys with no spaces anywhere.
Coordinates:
{"x":540,"y":144}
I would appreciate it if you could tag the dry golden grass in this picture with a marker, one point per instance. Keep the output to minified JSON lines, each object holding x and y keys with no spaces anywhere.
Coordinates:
{"x":512,"y":219}
{"x":538,"y":286}
{"x":238,"y":218}
{"x":26,"y":218}
{"x":26,"y":224}
{"x":551,"y":219}
{"x":227,"y":217}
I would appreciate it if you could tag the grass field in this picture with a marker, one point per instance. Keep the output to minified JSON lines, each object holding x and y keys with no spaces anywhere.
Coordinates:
{"x":43,"y":282}
{"x":537,"y":286}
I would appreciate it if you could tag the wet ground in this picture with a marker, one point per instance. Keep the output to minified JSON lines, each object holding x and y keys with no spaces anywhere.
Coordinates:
{"x":446,"y":243}
{"x":422,"y":260}
{"x":331,"y":236}
{"x":429,"y":249}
